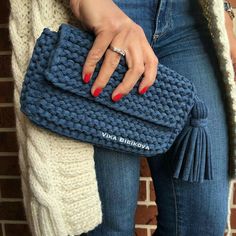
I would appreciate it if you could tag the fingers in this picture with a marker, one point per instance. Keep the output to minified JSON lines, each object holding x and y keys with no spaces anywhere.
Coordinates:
{"x":110,"y":62}
{"x":139,"y":66}
{"x":140,"y":58}
{"x":150,"y":73}
{"x":151,"y":66}
{"x":134,"y":59}
{"x":99,"y":47}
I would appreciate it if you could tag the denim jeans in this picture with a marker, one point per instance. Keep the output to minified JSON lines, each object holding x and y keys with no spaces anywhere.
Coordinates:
{"x":182,"y":42}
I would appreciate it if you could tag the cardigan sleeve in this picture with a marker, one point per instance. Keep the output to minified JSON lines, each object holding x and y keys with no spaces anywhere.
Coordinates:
{"x":59,"y":186}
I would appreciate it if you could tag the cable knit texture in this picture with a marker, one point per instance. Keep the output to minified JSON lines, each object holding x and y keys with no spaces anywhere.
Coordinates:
{"x":57,"y":173}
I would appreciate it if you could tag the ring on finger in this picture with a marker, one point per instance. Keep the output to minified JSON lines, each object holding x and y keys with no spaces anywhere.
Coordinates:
{"x":117,"y":50}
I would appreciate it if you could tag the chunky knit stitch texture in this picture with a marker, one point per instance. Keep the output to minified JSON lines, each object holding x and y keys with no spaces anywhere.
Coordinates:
{"x":25,"y":26}
{"x":58,"y":175}
{"x":54,"y":96}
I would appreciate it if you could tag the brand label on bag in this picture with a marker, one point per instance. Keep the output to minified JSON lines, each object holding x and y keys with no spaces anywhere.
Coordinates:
{"x":125,"y":140}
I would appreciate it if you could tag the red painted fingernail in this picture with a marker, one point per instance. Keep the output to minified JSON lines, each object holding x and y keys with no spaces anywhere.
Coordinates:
{"x":97,"y":92}
{"x":117,"y":97}
{"x":87,"y":77}
{"x":144,"y":90}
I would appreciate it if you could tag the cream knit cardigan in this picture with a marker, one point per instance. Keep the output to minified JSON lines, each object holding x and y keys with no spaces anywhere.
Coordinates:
{"x":58,"y":177}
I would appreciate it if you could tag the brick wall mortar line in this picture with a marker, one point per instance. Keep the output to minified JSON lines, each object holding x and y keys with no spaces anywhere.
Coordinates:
{"x":3,"y":230}
{"x":4,"y":130}
{"x":229,"y":234}
{"x":5,"y":53}
{"x":19,"y":222}
{"x":9,"y":177}
{"x":6,"y":104}
{"x":145,"y":178}
{"x":146,"y":203}
{"x":8,"y":154}
{"x":148,"y":191}
{"x":11,"y":199}
{"x":232,"y":197}
{"x":4,"y":26}
{"x":6,"y":79}
{"x":141,"y":226}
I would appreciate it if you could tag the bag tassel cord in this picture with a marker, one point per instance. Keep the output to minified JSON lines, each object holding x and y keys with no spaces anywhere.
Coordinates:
{"x":192,"y":148}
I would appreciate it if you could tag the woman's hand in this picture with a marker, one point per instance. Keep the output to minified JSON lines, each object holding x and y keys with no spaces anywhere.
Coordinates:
{"x":232,"y":40}
{"x":112,"y":26}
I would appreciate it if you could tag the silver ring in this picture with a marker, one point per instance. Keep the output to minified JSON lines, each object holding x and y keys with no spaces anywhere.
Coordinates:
{"x":117,"y":50}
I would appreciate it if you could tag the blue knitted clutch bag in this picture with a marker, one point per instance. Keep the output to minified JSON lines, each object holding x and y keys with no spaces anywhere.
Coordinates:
{"x":168,"y":117}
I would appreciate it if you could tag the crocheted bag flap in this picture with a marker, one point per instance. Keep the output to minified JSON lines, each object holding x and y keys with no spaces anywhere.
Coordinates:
{"x":77,"y":117}
{"x":167,"y":103}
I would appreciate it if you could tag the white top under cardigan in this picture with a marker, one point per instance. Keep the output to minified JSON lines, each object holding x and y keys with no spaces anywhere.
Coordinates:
{"x":58,"y":177}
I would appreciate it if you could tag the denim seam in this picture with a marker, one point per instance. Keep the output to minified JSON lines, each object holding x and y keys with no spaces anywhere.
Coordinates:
{"x":176,"y":208}
{"x":174,"y":194}
{"x":168,"y":19}
{"x":157,"y":13}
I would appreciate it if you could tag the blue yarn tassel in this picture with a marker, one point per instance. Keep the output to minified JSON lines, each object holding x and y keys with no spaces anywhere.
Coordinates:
{"x":192,"y":148}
